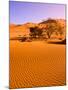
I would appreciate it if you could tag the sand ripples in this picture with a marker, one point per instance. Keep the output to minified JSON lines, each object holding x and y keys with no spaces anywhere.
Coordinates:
{"x":36,"y":64}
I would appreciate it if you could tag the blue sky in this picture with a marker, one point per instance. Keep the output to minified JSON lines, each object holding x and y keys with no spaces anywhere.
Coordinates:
{"x":23,"y":12}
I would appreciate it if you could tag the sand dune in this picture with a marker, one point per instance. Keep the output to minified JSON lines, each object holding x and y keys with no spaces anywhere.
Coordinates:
{"x":36,"y":63}
{"x":24,"y":29}
{"x":18,"y":30}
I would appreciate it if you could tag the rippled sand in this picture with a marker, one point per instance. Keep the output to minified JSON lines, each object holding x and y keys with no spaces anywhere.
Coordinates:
{"x":34,"y":64}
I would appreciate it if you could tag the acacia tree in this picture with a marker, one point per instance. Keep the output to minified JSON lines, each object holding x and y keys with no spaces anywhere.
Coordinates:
{"x":35,"y":32}
{"x":59,"y":29}
{"x":52,"y":27}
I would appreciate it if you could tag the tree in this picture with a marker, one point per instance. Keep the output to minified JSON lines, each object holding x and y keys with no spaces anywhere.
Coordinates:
{"x":51,"y":27}
{"x":59,"y":29}
{"x":35,"y":32}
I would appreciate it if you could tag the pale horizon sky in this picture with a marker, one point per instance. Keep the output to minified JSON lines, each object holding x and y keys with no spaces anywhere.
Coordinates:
{"x":23,"y":12}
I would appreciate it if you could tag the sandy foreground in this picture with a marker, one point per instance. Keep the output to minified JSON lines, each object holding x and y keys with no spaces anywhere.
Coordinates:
{"x":36,"y":63}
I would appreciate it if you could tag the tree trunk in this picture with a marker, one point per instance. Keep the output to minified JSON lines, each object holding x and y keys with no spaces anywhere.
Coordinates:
{"x":49,"y":35}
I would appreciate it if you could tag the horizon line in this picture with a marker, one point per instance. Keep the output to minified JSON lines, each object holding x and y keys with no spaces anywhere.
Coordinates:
{"x":38,"y":21}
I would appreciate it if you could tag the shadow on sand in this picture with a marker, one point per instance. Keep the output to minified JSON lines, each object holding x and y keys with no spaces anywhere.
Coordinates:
{"x":63,"y":42}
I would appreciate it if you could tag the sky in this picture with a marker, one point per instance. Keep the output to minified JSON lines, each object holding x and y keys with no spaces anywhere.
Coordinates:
{"x":23,"y":12}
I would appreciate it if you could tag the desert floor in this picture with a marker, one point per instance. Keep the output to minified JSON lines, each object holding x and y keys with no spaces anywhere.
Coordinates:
{"x":36,"y":63}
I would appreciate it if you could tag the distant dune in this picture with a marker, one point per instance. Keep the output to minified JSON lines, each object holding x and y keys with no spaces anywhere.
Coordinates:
{"x":23,"y":29}
{"x":18,"y":30}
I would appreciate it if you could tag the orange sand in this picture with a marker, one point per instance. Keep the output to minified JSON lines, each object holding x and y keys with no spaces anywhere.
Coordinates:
{"x":36,"y":63}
